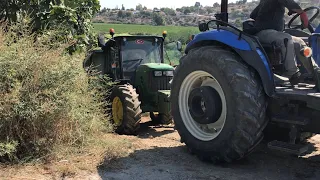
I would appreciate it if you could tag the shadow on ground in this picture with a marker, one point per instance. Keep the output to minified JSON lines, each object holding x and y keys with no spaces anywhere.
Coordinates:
{"x":177,"y":163}
{"x":149,"y":129}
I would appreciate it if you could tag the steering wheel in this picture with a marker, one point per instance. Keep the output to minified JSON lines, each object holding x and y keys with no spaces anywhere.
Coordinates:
{"x":310,"y":27}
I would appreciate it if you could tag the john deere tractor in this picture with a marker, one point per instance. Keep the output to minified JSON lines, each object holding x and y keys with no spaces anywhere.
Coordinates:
{"x":227,"y":93}
{"x":136,"y":65}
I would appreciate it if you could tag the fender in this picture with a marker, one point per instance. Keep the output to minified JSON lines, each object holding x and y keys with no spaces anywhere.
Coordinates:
{"x":314,"y":40}
{"x":245,"y":47}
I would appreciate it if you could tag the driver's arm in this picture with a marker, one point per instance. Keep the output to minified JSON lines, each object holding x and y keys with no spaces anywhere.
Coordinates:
{"x":254,"y":13}
{"x":291,"y":5}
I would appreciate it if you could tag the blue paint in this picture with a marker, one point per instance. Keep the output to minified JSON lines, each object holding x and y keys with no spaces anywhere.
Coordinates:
{"x":230,"y":39}
{"x":265,"y":62}
{"x":315,"y":44}
{"x":317,"y":29}
{"x":223,"y":36}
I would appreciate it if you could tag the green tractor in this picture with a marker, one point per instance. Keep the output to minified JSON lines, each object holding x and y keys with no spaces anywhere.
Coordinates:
{"x":136,"y":64}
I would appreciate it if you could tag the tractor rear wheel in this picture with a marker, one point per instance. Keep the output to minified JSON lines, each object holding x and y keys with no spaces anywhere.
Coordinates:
{"x":161,"y":118}
{"x":126,"y":111}
{"x":218,"y":104}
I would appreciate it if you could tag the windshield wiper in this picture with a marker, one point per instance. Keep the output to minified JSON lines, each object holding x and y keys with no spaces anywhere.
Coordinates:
{"x":130,"y":60}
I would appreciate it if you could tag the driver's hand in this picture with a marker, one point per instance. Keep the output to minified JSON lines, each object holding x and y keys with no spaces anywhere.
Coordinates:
{"x":305,"y":20}
{"x":290,"y":13}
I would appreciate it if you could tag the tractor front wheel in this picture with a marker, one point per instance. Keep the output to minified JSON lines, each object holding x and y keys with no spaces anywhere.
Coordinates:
{"x":126,"y":111}
{"x":218,"y":104}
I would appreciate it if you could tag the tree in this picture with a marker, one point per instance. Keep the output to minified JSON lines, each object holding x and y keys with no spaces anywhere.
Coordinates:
{"x":197,"y":4}
{"x":123,"y":8}
{"x":238,"y":23}
{"x":104,"y":10}
{"x":215,"y":5}
{"x":158,"y":19}
{"x":121,"y":14}
{"x":209,"y":10}
{"x":241,"y":2}
{"x":187,"y":11}
{"x":168,"y":11}
{"x":139,"y":7}
{"x":129,"y":14}
{"x":69,"y":17}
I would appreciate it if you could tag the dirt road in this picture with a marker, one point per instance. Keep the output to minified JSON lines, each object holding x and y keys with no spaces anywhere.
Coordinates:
{"x":160,"y":155}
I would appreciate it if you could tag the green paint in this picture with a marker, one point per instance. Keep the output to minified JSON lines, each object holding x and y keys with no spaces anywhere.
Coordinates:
{"x":164,"y":101}
{"x":144,"y":82}
{"x":153,"y":91}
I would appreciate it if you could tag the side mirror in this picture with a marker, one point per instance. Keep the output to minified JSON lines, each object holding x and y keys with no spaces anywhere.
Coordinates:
{"x":101,"y":40}
{"x":179,"y":46}
{"x":203,"y":27}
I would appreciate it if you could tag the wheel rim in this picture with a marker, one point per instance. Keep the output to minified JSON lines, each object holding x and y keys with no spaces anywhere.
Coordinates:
{"x":204,"y":132}
{"x":117,"y":111}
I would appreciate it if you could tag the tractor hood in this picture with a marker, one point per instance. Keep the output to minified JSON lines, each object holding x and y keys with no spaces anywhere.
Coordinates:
{"x":157,"y":66}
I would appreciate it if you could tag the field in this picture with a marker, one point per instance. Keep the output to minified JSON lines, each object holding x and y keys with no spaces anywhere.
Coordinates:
{"x":144,"y":29}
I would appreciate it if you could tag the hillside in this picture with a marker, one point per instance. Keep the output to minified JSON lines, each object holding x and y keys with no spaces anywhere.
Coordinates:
{"x":184,"y":16}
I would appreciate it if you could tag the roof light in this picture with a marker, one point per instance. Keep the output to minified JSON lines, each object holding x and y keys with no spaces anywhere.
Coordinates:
{"x":111,"y":31}
{"x":164,"y":34}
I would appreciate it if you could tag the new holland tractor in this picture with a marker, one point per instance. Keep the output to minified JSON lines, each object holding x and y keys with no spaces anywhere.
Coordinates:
{"x":136,"y":65}
{"x":227,"y":93}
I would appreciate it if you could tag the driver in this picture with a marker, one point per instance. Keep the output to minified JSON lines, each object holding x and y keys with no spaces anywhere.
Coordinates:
{"x":269,"y":26}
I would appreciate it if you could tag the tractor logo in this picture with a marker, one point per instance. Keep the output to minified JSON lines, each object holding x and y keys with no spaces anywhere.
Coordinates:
{"x":139,"y":41}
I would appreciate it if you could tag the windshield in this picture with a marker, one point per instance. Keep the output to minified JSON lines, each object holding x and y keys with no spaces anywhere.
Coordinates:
{"x":140,"y":51}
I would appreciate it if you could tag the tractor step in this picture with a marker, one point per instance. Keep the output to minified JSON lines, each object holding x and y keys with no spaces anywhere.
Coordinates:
{"x":296,"y":149}
{"x":291,"y":120}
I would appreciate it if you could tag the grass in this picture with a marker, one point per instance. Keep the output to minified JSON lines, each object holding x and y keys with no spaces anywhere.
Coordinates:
{"x":104,"y":150}
{"x":174,"y":33}
{"x":133,"y":28}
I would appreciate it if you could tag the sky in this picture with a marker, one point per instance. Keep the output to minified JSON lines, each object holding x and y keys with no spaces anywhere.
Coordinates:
{"x":156,"y":3}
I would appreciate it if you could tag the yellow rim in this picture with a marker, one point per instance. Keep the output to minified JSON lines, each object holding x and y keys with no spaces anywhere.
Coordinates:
{"x":117,"y":111}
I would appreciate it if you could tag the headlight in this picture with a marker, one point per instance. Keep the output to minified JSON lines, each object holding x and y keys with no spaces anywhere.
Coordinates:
{"x":157,"y":73}
{"x":168,"y":73}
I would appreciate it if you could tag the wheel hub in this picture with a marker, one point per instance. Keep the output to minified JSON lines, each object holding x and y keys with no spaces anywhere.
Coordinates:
{"x":117,"y":111}
{"x":205,"y":105}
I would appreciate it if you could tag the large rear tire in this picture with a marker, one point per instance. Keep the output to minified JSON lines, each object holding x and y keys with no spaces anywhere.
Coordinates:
{"x":239,"y":104}
{"x":126,"y":111}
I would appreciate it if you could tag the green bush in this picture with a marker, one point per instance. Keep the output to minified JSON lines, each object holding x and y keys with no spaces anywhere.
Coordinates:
{"x":46,"y":99}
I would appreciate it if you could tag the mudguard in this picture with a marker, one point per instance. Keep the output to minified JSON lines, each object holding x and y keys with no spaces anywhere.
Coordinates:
{"x":315,"y":44}
{"x":245,"y":47}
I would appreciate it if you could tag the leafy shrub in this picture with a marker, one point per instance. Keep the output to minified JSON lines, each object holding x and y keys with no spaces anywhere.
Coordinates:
{"x":74,"y":16}
{"x":46,"y":99}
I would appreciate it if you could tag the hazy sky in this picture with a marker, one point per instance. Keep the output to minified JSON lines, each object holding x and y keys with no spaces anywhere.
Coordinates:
{"x":156,"y":3}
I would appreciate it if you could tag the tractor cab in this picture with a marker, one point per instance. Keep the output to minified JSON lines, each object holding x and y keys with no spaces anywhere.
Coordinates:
{"x":136,"y":51}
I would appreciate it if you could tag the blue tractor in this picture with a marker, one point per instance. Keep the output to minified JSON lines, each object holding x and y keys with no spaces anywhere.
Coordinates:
{"x":227,"y":94}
